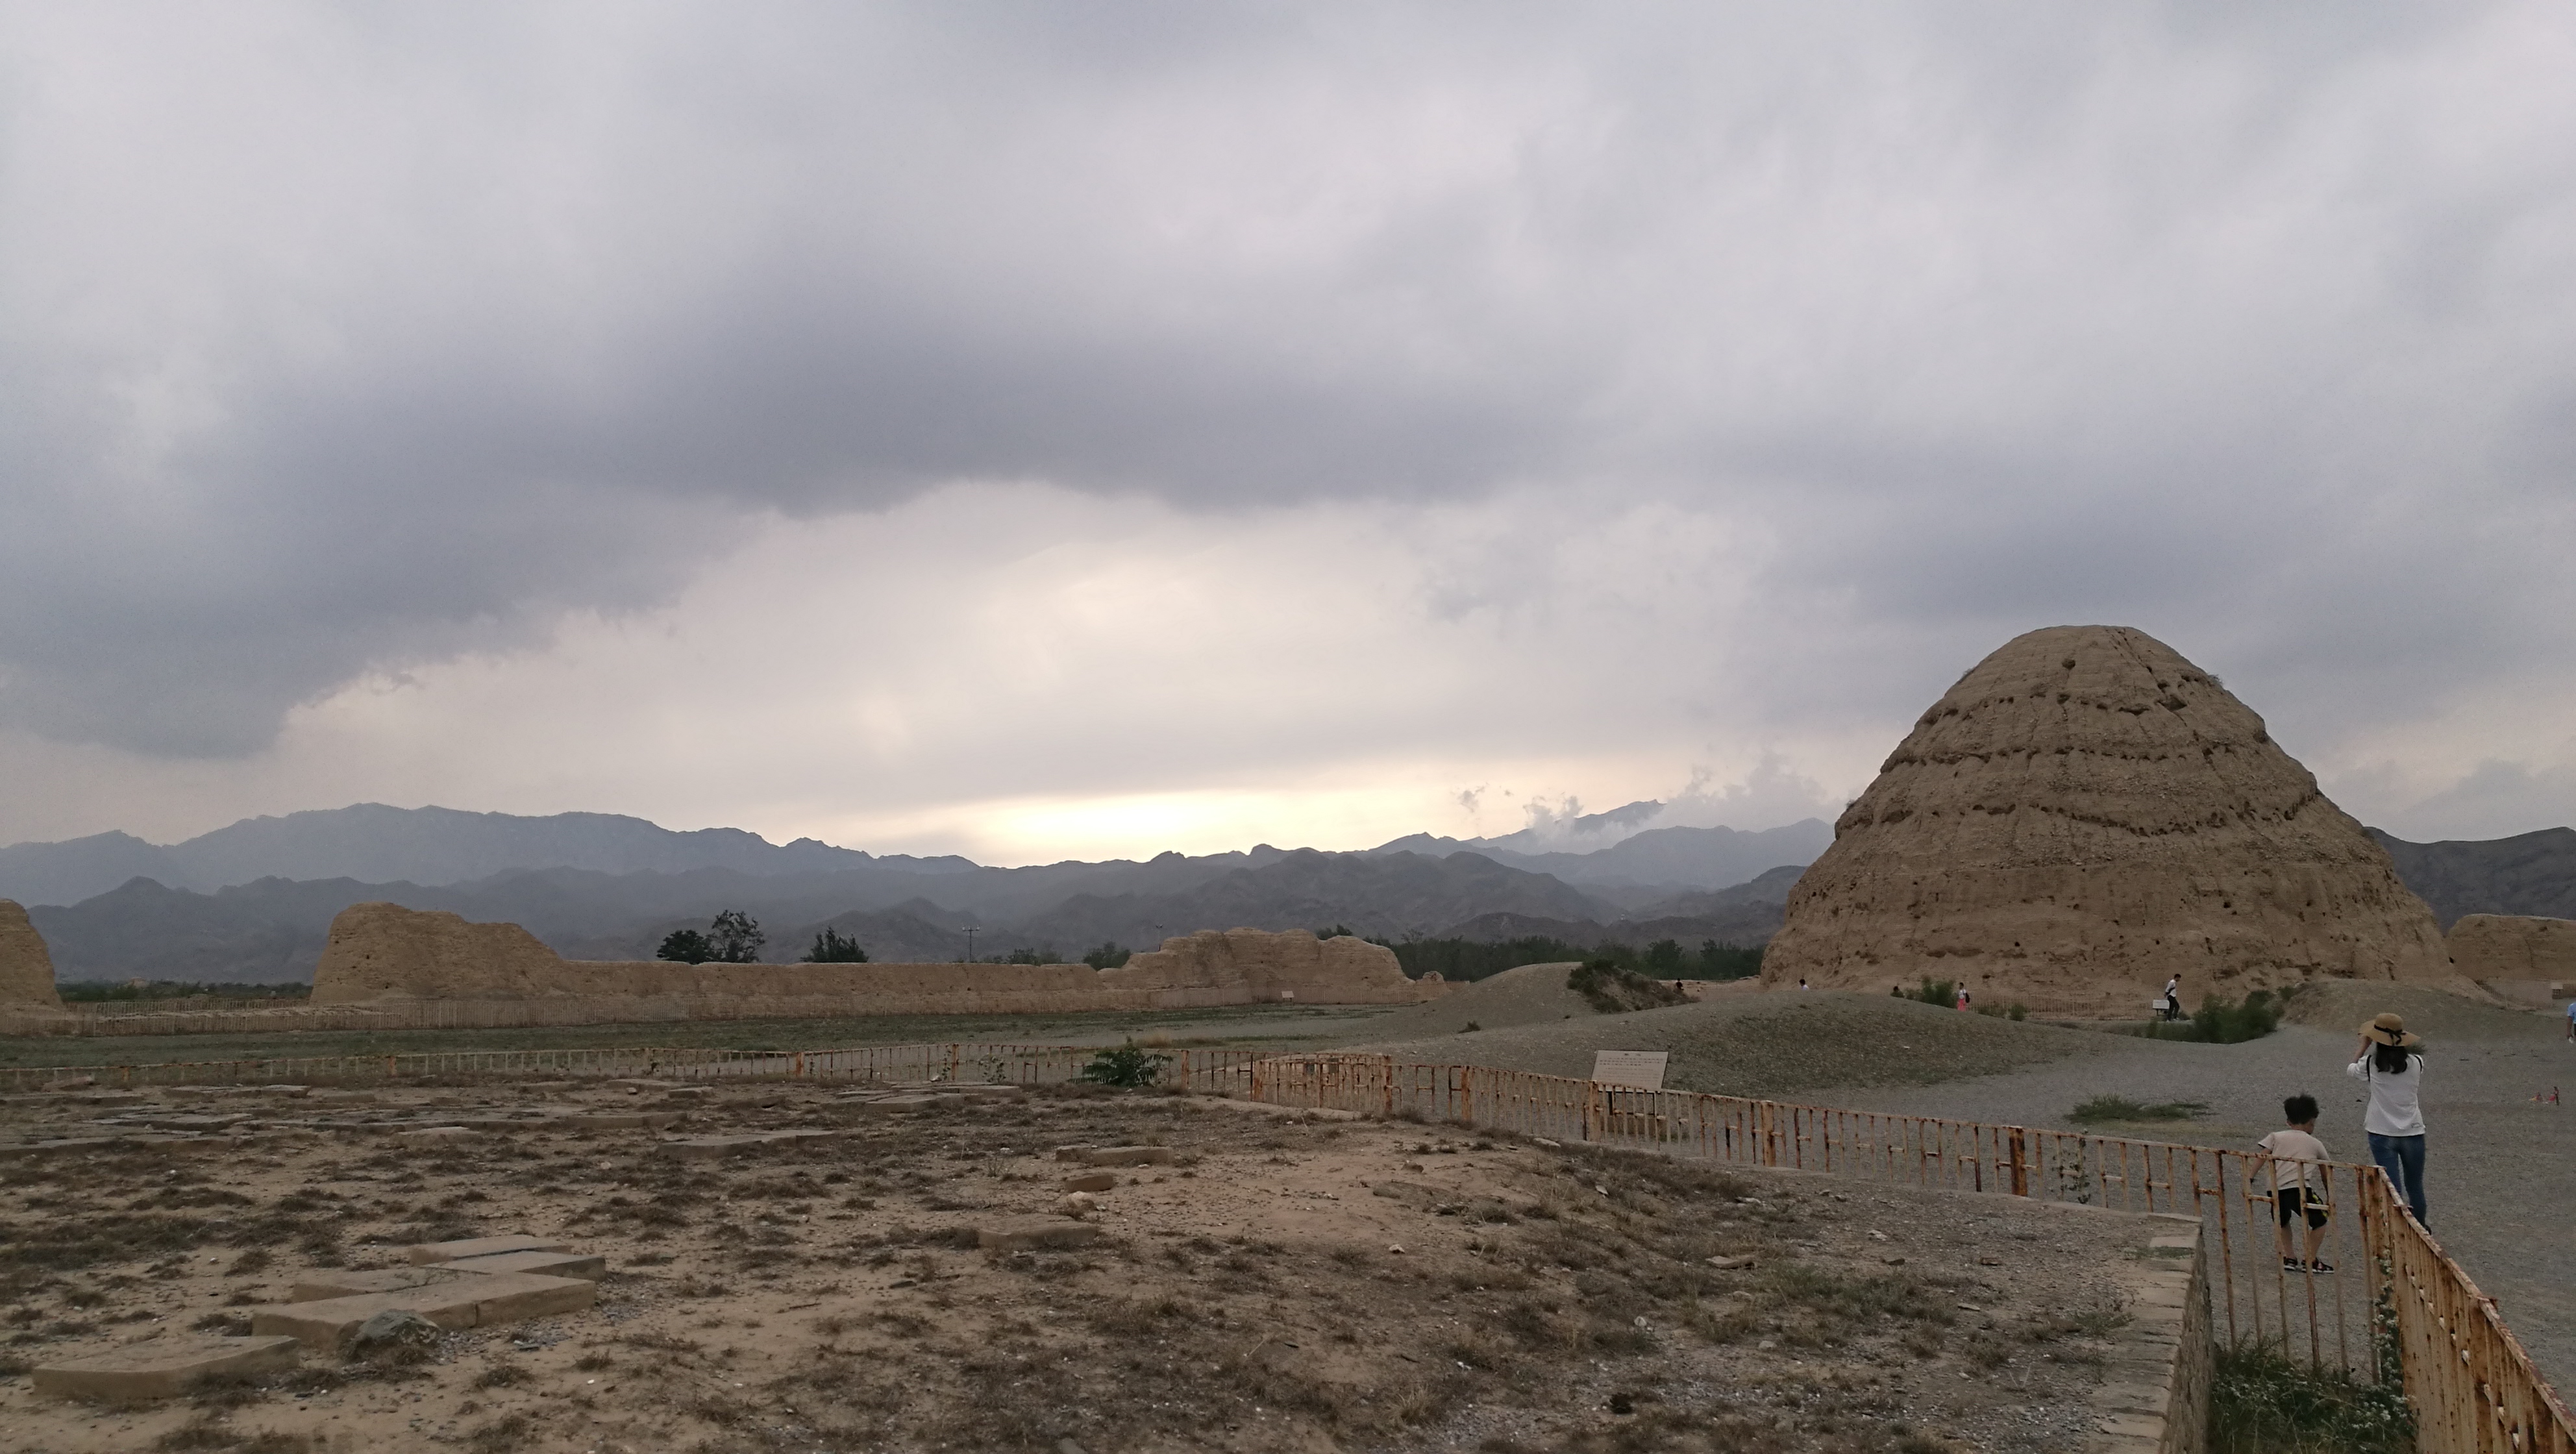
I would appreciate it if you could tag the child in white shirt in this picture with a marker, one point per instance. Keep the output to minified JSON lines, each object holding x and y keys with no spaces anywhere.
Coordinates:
{"x":2294,"y":1192}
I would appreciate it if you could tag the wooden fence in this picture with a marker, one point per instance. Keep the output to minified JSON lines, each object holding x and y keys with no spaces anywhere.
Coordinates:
{"x":2393,"y":1294}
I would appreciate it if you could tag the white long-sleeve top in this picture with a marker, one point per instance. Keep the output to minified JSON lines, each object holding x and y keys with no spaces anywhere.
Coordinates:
{"x":2393,"y":1108}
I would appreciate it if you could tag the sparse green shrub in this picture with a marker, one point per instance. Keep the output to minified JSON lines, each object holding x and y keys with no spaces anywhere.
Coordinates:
{"x":2263,"y":1401}
{"x":2222,"y":1021}
{"x":1612,"y":990}
{"x":2122,"y":1108}
{"x":1126,"y":1068}
{"x":833,"y":947}
{"x":1942,"y":992}
{"x":1110,"y":955}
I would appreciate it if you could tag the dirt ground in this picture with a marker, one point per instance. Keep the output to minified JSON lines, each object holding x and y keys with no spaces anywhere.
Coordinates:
{"x":1779,"y":1044}
{"x":1289,"y":1283}
{"x":2500,"y":1166}
{"x":1221,"y":1025}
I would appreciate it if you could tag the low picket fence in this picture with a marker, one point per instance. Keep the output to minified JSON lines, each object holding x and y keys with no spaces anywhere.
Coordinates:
{"x":2394,"y":1298}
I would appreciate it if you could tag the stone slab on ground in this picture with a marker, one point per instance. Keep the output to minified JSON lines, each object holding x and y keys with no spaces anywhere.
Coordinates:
{"x":589,"y":1267}
{"x":435,"y":1133}
{"x":431,"y":1253}
{"x":471,"y":1301}
{"x":165,"y":1366}
{"x":700,"y":1148}
{"x":1091,"y":1181}
{"x":1128,"y":1156}
{"x":314,"y":1287}
{"x":895,"y":1105}
{"x":615,"y":1120}
{"x":1031,"y":1233}
{"x":707,"y":1148}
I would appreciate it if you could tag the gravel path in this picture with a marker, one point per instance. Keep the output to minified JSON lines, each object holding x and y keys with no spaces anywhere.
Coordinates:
{"x":2501,"y":1169}
{"x":1761,"y":1045}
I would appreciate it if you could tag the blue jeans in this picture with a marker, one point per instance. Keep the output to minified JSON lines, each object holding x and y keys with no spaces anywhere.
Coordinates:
{"x":2402,"y":1157}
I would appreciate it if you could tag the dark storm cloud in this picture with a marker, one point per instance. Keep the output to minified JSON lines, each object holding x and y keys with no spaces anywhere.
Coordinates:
{"x":343,"y":340}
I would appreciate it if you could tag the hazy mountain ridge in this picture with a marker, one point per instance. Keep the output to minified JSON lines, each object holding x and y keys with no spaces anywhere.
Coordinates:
{"x":373,"y":843}
{"x":1653,"y":884}
{"x":1666,"y":858}
{"x":2529,"y":873}
{"x":274,"y":929}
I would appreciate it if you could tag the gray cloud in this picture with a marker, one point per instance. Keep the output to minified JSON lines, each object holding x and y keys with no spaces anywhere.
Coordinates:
{"x":341,"y":341}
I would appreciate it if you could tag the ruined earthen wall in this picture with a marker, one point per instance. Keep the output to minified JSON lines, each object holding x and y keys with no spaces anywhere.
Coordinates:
{"x":384,"y":953}
{"x":26,"y":970}
{"x":2526,"y":960}
{"x":2082,"y":815}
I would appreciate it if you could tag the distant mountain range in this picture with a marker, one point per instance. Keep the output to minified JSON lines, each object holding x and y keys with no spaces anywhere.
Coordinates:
{"x":253,"y":902}
{"x":375,"y":843}
{"x":2529,"y":873}
{"x":1651,"y":864}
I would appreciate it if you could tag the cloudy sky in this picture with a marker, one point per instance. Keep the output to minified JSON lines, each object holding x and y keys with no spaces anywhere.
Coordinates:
{"x":1036,"y":431}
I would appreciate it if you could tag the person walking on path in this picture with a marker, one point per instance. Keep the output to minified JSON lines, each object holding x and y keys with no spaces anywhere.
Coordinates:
{"x":2388,"y":1064}
{"x":2571,"y":1019}
{"x":2173,"y":998}
{"x":1963,"y":997}
{"x":2294,"y":1192}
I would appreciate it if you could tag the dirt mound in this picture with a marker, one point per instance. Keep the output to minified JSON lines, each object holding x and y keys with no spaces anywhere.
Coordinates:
{"x":2341,"y":1008}
{"x":2083,"y":814}
{"x":1531,"y":994}
{"x":1764,"y":1045}
{"x":26,"y":970}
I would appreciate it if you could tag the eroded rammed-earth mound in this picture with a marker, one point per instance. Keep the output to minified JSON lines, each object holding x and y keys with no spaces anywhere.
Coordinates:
{"x":380,"y":953}
{"x":2082,"y":815}
{"x":26,"y":970}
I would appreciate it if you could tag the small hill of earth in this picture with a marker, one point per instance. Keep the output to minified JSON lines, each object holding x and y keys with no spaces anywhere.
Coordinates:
{"x":2342,"y":1006}
{"x":1754,"y":1045}
{"x":1533,"y":994}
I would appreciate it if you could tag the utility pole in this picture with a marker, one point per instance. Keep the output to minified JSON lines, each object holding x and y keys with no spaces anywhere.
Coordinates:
{"x":970,"y":947}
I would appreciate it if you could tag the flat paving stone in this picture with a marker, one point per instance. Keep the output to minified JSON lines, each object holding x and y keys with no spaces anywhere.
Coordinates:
{"x":314,"y":1287}
{"x":1033,"y":1233}
{"x":616,"y":1120}
{"x":429,"y":1254}
{"x":1128,"y":1156}
{"x":1091,"y":1181}
{"x":588,"y":1266}
{"x":708,"y":1148}
{"x":470,"y":1301}
{"x":164,"y":1366}
{"x":896,"y":1105}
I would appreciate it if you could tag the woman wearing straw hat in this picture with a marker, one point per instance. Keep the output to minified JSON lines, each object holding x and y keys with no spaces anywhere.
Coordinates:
{"x":2388,"y":1065}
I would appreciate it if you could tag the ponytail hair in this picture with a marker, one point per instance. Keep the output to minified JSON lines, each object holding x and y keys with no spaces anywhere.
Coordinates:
{"x":2389,"y":1059}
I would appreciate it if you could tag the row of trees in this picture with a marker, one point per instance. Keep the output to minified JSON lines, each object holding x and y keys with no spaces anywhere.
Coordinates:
{"x":735,"y":938}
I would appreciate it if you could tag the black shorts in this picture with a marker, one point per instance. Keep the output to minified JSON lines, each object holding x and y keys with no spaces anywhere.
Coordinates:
{"x":2291,"y":1200}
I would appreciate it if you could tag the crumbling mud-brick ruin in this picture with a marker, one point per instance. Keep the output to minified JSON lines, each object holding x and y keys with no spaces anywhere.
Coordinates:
{"x":387,"y":955}
{"x":26,"y":970}
{"x":2084,"y":814}
{"x":2523,"y":959}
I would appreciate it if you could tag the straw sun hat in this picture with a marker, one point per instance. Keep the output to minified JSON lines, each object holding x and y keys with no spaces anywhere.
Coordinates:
{"x":2390,"y":1030}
